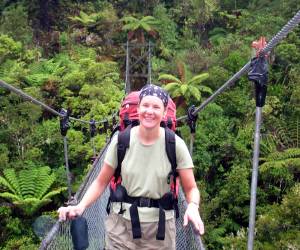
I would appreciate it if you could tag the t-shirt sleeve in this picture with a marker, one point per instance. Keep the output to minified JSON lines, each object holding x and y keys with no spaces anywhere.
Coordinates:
{"x":183,"y":157}
{"x":111,"y":153}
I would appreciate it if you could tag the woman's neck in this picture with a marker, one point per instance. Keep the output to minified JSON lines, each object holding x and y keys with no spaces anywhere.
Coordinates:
{"x":148,"y":136}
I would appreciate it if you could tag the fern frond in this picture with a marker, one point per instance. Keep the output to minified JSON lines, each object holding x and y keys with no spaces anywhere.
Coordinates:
{"x":183,"y":89}
{"x":36,"y":79}
{"x":217,"y":31}
{"x":6,"y":184}
{"x":195,"y":92}
{"x":149,"y":19}
{"x":44,"y":181}
{"x":292,"y":165}
{"x":205,"y":89}
{"x":170,"y":87}
{"x":267,"y":145}
{"x":289,"y":134}
{"x":10,"y":196}
{"x":146,"y":26}
{"x":176,"y":93}
{"x":11,"y":177}
{"x":294,"y":132}
{"x":198,"y":78}
{"x":288,"y":153}
{"x":128,"y":19}
{"x":131,"y":26}
{"x":169,"y":78}
{"x":27,"y":182}
{"x":54,"y":192}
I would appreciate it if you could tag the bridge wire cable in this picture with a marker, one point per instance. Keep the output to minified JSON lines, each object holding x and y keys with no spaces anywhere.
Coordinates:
{"x":272,"y":43}
{"x":51,"y":110}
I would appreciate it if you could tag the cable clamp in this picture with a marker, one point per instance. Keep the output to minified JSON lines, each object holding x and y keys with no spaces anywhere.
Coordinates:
{"x":192,"y":119}
{"x":64,"y":121}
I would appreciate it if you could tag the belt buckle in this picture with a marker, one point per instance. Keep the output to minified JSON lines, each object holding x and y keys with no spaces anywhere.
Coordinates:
{"x":145,"y":202}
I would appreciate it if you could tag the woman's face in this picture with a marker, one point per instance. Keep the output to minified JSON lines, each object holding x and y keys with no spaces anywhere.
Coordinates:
{"x":151,"y":112}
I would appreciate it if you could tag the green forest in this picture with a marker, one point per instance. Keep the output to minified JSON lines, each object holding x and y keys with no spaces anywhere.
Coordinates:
{"x":72,"y":55}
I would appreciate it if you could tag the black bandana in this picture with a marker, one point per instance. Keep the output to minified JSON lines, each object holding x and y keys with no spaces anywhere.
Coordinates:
{"x":153,"y":90}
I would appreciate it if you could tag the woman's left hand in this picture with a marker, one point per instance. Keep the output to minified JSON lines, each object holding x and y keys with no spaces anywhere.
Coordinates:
{"x":192,"y":215}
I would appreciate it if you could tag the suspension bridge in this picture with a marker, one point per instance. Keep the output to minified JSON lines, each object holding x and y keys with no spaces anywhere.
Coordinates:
{"x":59,"y":237}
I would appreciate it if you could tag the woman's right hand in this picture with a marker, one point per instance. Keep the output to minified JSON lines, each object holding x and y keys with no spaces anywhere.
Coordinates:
{"x":70,"y":212}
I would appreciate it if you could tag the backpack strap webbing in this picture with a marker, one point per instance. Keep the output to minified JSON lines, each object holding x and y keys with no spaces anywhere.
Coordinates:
{"x":123,"y":144}
{"x":171,"y":149}
{"x":171,"y":153}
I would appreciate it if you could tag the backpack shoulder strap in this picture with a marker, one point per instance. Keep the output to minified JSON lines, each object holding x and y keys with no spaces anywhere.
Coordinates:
{"x":171,"y":148}
{"x":171,"y":153}
{"x":123,"y":144}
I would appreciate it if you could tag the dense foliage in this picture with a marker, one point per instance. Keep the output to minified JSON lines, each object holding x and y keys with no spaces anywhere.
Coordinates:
{"x":69,"y":54}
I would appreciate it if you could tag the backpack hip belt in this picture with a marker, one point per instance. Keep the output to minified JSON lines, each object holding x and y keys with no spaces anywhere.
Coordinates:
{"x":167,"y":202}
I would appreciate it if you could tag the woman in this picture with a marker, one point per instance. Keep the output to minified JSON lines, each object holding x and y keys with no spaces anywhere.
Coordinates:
{"x":144,"y":174}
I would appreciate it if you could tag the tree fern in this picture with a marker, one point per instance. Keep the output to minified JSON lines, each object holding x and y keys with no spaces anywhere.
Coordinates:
{"x":184,"y":88}
{"x":29,"y":189}
{"x":136,"y":26}
{"x":86,"y":20}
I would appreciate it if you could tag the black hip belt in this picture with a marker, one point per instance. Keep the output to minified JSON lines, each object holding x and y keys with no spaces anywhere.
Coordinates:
{"x":167,"y":202}
{"x":142,"y":201}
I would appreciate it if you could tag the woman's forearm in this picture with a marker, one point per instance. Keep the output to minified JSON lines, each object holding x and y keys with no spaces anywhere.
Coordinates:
{"x":98,"y":186}
{"x":193,"y":196}
{"x":92,"y":194}
{"x":189,"y":185}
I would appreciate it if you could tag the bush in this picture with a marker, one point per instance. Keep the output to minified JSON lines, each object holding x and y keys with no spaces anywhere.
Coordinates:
{"x":9,"y":49}
{"x":23,"y":243}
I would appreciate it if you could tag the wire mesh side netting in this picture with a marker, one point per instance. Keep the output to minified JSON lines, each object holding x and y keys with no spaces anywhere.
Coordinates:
{"x":95,"y":216}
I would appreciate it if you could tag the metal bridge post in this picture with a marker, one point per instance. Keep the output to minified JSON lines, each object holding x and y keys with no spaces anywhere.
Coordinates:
{"x":254,"y":178}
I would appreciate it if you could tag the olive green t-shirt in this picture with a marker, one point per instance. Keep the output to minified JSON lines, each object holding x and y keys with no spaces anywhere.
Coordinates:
{"x":145,"y":169}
